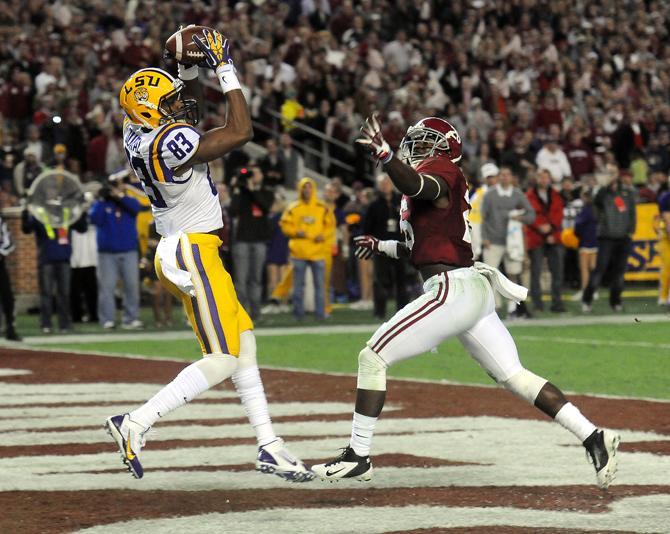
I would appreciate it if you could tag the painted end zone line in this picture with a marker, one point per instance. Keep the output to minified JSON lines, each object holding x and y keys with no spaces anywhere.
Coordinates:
{"x":333,"y":329}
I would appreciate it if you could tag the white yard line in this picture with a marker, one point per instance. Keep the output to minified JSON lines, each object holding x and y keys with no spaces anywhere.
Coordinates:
{"x":331,"y":329}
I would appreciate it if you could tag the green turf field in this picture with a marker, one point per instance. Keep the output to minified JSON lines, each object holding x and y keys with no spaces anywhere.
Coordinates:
{"x":629,"y":360}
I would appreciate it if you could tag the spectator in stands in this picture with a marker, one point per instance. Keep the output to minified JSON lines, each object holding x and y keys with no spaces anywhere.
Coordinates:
{"x":630,"y":135}
{"x":16,"y":96}
{"x":308,"y":224}
{"x":272,"y":165}
{"x":54,"y":249}
{"x":7,"y":246}
{"x":36,"y":144}
{"x":657,"y":155}
{"x":51,"y":76}
{"x":552,"y":158}
{"x":114,"y":216}
{"x":489,"y":177}
{"x":579,"y":155}
{"x":250,"y":206}
{"x":292,"y":161}
{"x":543,"y":239}
{"x":502,"y":204}
{"x":656,"y":185}
{"x":520,"y":158}
{"x":548,"y":115}
{"x":105,"y":153}
{"x":341,"y":198}
{"x":291,"y":109}
{"x":398,"y":53}
{"x":586,"y":230}
{"x":615,"y":208}
{"x":381,"y":221}
{"x":26,"y":171}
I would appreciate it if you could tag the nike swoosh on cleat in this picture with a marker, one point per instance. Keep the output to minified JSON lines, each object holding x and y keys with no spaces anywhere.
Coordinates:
{"x":331,"y":473}
{"x":129,"y":452}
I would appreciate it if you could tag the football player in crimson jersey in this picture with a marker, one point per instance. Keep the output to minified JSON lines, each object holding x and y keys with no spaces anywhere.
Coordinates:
{"x":458,"y":298}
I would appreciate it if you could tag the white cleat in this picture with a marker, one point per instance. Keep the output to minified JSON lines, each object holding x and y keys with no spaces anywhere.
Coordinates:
{"x":275,"y":459}
{"x":601,"y":447}
{"x":129,"y":437}
{"x":346,"y":465}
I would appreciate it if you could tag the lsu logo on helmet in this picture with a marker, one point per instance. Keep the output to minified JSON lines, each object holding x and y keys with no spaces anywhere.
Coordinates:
{"x":152,"y":97}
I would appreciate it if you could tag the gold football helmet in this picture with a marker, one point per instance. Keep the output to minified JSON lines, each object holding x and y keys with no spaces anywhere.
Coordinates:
{"x":152,"y":97}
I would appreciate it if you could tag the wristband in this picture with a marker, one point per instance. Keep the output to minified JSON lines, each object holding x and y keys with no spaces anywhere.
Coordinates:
{"x":388,"y":248}
{"x":227,"y":77}
{"x":187,"y":72}
{"x":388,"y":158}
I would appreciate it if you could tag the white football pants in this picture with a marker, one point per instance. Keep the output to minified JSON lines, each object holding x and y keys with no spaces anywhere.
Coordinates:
{"x":457,"y":303}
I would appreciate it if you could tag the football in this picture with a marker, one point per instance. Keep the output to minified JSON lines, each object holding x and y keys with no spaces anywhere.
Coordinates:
{"x":181,"y":47}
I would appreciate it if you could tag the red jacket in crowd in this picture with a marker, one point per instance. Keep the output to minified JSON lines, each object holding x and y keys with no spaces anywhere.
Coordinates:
{"x":550,"y":213}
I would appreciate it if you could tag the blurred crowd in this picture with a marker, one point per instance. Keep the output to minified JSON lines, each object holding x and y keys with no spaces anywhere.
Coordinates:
{"x":578,"y":89}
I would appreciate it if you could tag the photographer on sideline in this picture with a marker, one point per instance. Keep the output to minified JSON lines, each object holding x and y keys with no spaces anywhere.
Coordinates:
{"x":114,"y":216}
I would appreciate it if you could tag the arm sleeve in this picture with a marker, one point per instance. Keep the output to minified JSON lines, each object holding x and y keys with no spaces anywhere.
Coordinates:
{"x":131,"y":205}
{"x":287,"y":224}
{"x":263,"y":198}
{"x":556,"y":214}
{"x":172,"y":148}
{"x":567,"y":170}
{"x":529,"y":216}
{"x":485,"y":214}
{"x":96,"y":213}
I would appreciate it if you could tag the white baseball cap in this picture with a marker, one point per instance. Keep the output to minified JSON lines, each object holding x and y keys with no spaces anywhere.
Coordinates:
{"x":489,"y":169}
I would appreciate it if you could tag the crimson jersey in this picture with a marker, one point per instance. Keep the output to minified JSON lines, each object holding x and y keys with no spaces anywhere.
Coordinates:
{"x":438,"y":235}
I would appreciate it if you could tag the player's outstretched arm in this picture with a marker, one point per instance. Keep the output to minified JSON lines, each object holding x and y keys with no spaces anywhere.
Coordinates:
{"x":216,"y":143}
{"x":403,"y":176}
{"x":367,"y":246}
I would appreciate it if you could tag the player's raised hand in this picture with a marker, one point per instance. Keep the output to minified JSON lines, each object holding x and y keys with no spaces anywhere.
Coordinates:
{"x":366,"y":246}
{"x":215,"y":47}
{"x":374,"y":141}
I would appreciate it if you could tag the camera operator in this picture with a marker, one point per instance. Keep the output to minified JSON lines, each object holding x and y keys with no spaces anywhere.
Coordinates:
{"x":250,"y":205}
{"x":115,"y":218}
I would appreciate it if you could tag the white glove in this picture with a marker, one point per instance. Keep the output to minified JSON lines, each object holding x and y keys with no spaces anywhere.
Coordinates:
{"x":374,"y":141}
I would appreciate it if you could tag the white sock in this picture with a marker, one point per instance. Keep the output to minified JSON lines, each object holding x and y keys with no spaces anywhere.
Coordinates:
{"x":187,"y":385}
{"x":361,"y":434}
{"x":250,"y":390}
{"x":572,"y":419}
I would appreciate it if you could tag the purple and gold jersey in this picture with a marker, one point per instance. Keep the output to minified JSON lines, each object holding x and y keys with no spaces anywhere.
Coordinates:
{"x":187,"y":203}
